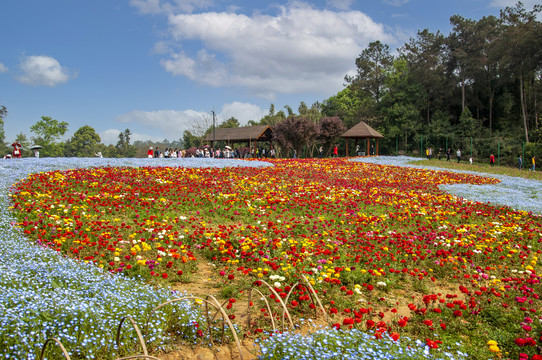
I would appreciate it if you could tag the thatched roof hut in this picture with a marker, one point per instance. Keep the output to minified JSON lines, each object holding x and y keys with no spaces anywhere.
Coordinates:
{"x":363,"y":131}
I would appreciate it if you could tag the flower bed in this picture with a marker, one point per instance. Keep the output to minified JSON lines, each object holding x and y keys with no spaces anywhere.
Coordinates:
{"x":386,"y":250}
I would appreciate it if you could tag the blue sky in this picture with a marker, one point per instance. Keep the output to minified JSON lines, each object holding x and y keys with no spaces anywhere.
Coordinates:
{"x":159,"y":67}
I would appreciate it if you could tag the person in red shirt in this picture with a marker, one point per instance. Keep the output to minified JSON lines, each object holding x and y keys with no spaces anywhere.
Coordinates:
{"x":16,"y":149}
{"x":492,"y":160}
{"x":335,"y":151}
{"x":150,"y":153}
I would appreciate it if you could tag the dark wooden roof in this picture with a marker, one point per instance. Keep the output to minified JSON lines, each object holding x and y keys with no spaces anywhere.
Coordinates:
{"x":361,"y":131}
{"x":241,"y":134}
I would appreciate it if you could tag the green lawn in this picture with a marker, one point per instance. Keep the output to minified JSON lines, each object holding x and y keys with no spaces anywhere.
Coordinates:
{"x":482,"y":168}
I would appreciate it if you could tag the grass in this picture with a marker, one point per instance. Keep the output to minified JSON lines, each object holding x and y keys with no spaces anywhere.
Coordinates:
{"x":484,"y":168}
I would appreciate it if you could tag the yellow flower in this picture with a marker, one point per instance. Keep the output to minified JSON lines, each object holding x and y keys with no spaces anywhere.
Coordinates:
{"x":494,"y":348}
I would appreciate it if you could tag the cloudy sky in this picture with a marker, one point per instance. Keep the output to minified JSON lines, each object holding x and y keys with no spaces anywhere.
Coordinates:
{"x":159,"y":67}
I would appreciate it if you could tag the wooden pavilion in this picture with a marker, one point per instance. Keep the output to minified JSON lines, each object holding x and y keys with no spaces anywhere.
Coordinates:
{"x":250,"y":134}
{"x":362,"y":131}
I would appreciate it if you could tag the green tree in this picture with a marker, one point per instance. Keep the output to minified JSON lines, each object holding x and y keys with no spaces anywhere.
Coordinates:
{"x":83,"y":143}
{"x":230,"y":123}
{"x":49,"y":131}
{"x":272,"y":118}
{"x":3,"y":146}
{"x":346,"y":105}
{"x":190,"y":140}
{"x":401,"y":104}
{"x":124,"y":149}
{"x":426,"y":59}
{"x":520,"y":45}
{"x":372,"y":65}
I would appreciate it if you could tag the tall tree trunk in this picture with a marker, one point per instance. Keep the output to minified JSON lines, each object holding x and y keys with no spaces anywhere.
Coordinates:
{"x":491,"y":113}
{"x":523,"y":107}
{"x":463,"y":97}
{"x":428,"y":101}
{"x":535,"y":104}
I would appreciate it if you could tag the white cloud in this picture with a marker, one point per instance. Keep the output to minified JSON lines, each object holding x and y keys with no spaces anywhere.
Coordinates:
{"x":43,"y":70}
{"x":242,"y":112}
{"x":171,"y":124}
{"x":111,"y":137}
{"x":273,"y":54}
{"x":3,"y":68}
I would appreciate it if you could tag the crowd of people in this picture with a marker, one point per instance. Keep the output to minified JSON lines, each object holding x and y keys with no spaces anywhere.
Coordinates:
{"x":208,"y":152}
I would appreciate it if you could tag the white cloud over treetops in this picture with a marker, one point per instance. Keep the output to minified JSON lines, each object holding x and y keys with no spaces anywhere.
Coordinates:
{"x":111,"y":137}
{"x":3,"y":68}
{"x":173,"y":123}
{"x":43,"y":70}
{"x":298,"y":49}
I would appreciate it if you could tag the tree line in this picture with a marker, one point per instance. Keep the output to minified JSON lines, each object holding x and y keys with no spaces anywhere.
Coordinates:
{"x":477,"y":88}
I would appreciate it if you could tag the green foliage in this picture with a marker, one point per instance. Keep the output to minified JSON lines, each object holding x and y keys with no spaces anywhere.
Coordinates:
{"x":124,"y":149}
{"x":3,"y":147}
{"x":83,"y":143}
{"x":190,"y":140}
{"x":230,"y":123}
{"x":48,"y":131}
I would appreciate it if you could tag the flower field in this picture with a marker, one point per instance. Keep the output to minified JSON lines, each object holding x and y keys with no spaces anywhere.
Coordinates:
{"x":388,"y":253}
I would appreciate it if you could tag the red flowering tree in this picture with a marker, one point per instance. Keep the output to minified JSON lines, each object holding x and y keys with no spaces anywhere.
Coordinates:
{"x":329,"y":129}
{"x":293,"y":133}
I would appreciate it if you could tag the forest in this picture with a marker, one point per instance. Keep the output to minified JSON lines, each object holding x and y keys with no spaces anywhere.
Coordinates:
{"x":478,"y":88}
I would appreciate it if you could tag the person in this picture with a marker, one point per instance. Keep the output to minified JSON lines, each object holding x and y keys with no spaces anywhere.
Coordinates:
{"x":458,"y":155}
{"x":321,"y":151}
{"x":157,"y":152}
{"x":16,"y":149}
{"x":520,"y":162}
{"x":430,"y":153}
{"x":99,"y":154}
{"x":533,"y":161}
{"x":372,"y":149}
{"x":492,"y":160}
{"x":470,"y":160}
{"x":448,"y":154}
{"x":150,"y":153}
{"x":335,"y":151}
{"x":439,"y":153}
{"x":36,"y":153}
